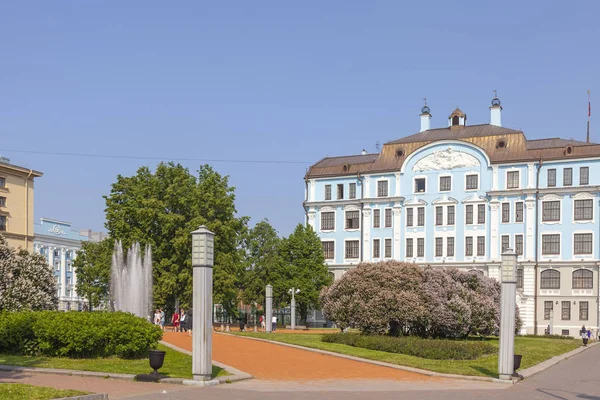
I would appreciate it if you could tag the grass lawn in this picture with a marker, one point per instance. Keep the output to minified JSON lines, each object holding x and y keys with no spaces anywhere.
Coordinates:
{"x":177,"y":365}
{"x":18,"y":391}
{"x":534,"y":351}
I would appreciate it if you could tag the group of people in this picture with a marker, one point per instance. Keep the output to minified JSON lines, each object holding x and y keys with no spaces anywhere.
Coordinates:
{"x":181,"y":320}
{"x":586,"y":333}
{"x":263,"y":323}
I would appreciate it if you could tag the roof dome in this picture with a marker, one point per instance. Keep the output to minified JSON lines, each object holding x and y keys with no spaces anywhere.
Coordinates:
{"x":425,"y":109}
{"x":495,"y":101}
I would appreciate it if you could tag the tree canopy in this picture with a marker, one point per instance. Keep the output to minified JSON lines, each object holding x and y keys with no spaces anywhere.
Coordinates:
{"x":92,"y":267}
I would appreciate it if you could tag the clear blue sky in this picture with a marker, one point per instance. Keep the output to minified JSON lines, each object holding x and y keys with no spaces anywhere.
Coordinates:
{"x":273,"y":80}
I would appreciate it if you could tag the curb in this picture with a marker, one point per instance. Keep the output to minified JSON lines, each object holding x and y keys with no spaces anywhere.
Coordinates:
{"x":70,"y":372}
{"x":236,"y":374}
{"x":526,"y":373}
{"x":96,"y":396}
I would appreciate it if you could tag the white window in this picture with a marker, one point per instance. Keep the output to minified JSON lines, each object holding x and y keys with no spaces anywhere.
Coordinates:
{"x":2,"y":182}
{"x":568,"y":177}
{"x":481,"y":213}
{"x":340,"y":191}
{"x":519,"y":245}
{"x":388,"y":217}
{"x":352,"y":219}
{"x":352,"y":249}
{"x":382,"y":188}
{"x":584,"y":210}
{"x":327,"y":192}
{"x":450,"y":215}
{"x":582,"y":243}
{"x":505,"y":212}
{"x":409,"y":247}
{"x":551,"y":177}
{"x":481,"y":245}
{"x":445,"y":183}
{"x":472,"y":182}
{"x":419,"y":185}
{"x":409,"y":217}
{"x":328,"y":250}
{"x":328,"y":221}
{"x":376,"y":248}
{"x":450,"y":246}
{"x":420,"y":247}
{"x":439,"y":246}
{"x":512,"y":180}
{"x":551,"y":244}
{"x":388,"y":248}
{"x":551,"y":211}
{"x":519,"y":211}
{"x":376,"y":218}
{"x":420,"y":216}
{"x":2,"y":201}
{"x":584,"y":176}
{"x":352,"y":191}
{"x":505,"y":243}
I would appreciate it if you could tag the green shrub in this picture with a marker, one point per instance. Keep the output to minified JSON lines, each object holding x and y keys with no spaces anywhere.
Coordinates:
{"x":434,"y":349}
{"x":77,"y":334}
{"x":548,"y":336}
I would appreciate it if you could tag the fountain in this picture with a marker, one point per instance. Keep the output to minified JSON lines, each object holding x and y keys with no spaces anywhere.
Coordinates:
{"x":131,"y":282}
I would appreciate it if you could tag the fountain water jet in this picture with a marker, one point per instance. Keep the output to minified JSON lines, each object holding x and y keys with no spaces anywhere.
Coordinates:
{"x":131,"y":281}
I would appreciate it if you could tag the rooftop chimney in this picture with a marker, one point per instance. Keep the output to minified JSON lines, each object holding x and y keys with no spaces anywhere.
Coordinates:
{"x":496,"y":111}
{"x":425,"y":117}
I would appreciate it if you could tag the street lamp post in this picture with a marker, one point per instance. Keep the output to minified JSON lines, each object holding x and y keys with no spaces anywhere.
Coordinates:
{"x":293,"y":291}
{"x":202,"y":263}
{"x":269,"y":308}
{"x":508,"y":279}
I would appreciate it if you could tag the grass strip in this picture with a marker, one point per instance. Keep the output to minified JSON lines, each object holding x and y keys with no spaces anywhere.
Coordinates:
{"x":19,"y":391}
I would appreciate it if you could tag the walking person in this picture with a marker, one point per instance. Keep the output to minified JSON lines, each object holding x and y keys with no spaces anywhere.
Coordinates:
{"x":273,"y":323}
{"x":175,"y":321}
{"x":183,"y":321}
{"x":189,"y":324}
{"x":262,"y":323}
{"x":162,"y":319}
{"x":156,"y":317}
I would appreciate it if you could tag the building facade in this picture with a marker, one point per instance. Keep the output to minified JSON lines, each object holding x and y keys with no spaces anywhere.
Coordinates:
{"x":59,"y":244}
{"x":16,"y":204}
{"x":457,"y":197}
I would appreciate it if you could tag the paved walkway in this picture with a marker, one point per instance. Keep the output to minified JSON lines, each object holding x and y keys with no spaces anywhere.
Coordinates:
{"x":280,"y":363}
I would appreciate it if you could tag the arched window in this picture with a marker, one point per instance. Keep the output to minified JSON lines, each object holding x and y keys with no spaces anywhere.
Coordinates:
{"x":550,"y":279}
{"x":455,"y":120}
{"x":583,"y":279}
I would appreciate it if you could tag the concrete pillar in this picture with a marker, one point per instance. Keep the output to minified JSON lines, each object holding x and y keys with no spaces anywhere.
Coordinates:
{"x":507,"y":331}
{"x":269,"y":309}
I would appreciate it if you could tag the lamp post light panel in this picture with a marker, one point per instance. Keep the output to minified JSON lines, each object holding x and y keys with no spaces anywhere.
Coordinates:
{"x":509,"y":267}
{"x":202,"y":247}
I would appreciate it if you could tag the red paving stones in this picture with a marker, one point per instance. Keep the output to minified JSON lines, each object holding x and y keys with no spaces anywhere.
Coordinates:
{"x":275,"y":362}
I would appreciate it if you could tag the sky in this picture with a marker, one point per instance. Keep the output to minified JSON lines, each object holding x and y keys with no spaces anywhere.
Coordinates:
{"x":275,"y":81}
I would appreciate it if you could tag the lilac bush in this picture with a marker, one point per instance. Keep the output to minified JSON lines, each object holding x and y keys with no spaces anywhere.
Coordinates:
{"x":404,"y":299}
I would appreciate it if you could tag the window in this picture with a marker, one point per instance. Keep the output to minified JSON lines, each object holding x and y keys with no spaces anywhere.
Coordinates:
{"x":567,"y":176}
{"x":445,"y":183}
{"x":421,"y":216}
{"x":352,"y":219}
{"x":565,"y":311}
{"x":388,"y":217}
{"x":439,"y":215}
{"x":548,"y":309}
{"x":352,"y":249}
{"x":505,"y":242}
{"x":583,"y":279}
{"x":57,"y":265}
{"x":551,"y":244}
{"x":420,"y":185}
{"x":469,"y":214}
{"x":519,"y":278}
{"x":584,"y":307}
{"x":327,"y":192}
{"x":69,"y":292}
{"x":505,"y":212}
{"x":481,"y":213}
{"x":376,"y":248}
{"x":550,"y":279}
{"x":409,"y":247}
{"x":472,"y":182}
{"x":519,"y":211}
{"x":512,"y":180}
{"x":420,"y":247}
{"x":519,"y":245}
{"x":409,"y":217}
{"x":550,"y":211}
{"x":450,"y":247}
{"x":469,"y":246}
{"x":69,"y":266}
{"x":388,"y":248}
{"x":584,"y":210}
{"x":68,"y":280}
{"x":584,"y":176}
{"x":328,"y":250}
{"x":56,"y":253}
{"x":352,"y":191}
{"x":450,"y":215}
{"x":382,"y":188}
{"x":2,"y":223}
{"x":340,"y":191}
{"x":2,"y":182}
{"x":564,"y":332}
{"x":582,"y":243}
{"x":376,"y":218}
{"x":328,"y":221}
{"x":481,"y":245}
{"x":2,"y":201}
{"x":551,"y":177}
{"x":439,"y":246}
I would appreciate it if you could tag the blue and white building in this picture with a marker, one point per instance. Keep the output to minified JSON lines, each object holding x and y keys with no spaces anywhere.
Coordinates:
{"x":56,"y":241}
{"x":456,"y":197}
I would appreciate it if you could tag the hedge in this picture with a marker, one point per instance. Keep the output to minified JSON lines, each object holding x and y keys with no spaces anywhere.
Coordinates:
{"x":77,"y":334}
{"x":555,"y":336}
{"x":434,"y":349}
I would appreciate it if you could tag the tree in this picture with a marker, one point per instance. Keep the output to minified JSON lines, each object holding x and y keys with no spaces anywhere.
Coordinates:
{"x":262,"y":262}
{"x":26,"y":281}
{"x":92,"y":266}
{"x":161,"y":209}
{"x":303,"y":268}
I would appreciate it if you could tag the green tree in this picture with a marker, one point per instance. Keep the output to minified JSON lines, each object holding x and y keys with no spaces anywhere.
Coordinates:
{"x":304,"y":268}
{"x":262,"y":262}
{"x":161,"y":209}
{"x":26,"y":282}
{"x":92,"y":267}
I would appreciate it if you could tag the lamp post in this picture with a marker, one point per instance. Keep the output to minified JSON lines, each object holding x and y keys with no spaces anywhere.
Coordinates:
{"x":293,"y":291}
{"x":202,"y":263}
{"x":508,"y":278}
{"x":269,"y":308}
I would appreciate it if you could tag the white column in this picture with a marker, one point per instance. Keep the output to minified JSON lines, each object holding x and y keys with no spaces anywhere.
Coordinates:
{"x":63,"y":272}
{"x":51,"y":258}
{"x":293,"y":310}
{"x":397,"y":227}
{"x":494,"y":218}
{"x":494,"y":177}
{"x":311,"y":187}
{"x":366,"y":255}
{"x":366,"y":189}
{"x":530,"y":176}
{"x":202,"y":323}
{"x":507,"y":330}
{"x":397,"y":191}
{"x":529,"y":228}
{"x":269,"y":308}
{"x":311,"y":219}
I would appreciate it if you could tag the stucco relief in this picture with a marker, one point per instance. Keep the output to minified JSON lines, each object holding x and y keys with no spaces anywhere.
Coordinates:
{"x":446,"y":159}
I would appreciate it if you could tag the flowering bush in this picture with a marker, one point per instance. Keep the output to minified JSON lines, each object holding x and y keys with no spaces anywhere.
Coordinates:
{"x":405,"y":299}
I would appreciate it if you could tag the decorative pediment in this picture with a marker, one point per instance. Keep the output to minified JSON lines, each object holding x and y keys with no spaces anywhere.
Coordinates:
{"x":445,"y":200}
{"x":551,"y":197}
{"x":474,"y":199}
{"x":415,"y":202}
{"x":351,"y":207}
{"x":445,"y":160}
{"x":583,"y":196}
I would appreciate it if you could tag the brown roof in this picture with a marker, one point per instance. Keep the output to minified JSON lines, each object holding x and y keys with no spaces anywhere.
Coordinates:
{"x":554,"y":142}
{"x":468,"y":131}
{"x":351,"y":160}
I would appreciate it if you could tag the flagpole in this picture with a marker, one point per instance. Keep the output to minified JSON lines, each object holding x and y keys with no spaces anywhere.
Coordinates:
{"x":589,"y":114}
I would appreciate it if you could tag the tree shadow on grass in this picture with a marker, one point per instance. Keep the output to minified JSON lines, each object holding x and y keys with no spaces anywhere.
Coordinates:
{"x":485,"y":371}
